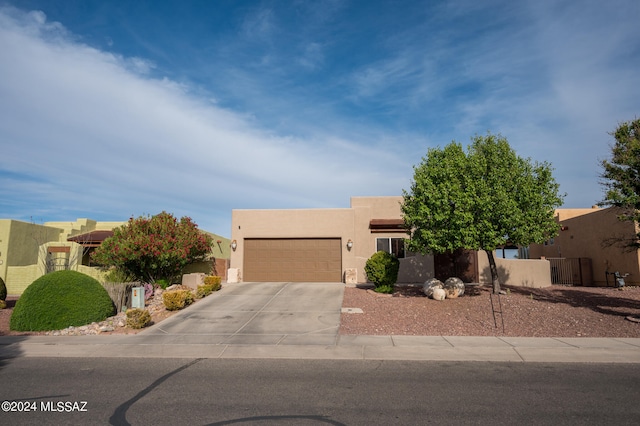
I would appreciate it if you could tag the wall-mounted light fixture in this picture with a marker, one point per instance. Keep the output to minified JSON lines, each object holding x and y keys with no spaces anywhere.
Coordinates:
{"x":234,"y":245}
{"x":349,"y":244}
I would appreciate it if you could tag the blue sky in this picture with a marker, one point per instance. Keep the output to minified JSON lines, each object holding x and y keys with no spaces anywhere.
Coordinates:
{"x":112,"y":109}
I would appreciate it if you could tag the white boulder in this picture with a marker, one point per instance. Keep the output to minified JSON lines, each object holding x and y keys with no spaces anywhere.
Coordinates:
{"x":454,"y":287}
{"x":430,"y":285}
{"x":439,"y":294}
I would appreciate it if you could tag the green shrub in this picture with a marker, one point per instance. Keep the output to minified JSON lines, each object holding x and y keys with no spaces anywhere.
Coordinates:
{"x":162,"y":283}
{"x":3,"y":290}
{"x":177,"y":299}
{"x":385,"y":289}
{"x":206,"y":289}
{"x":213,"y":280}
{"x":152,"y":247}
{"x":138,"y":318}
{"x":3,"y":304}
{"x":203,"y":291}
{"x":61,"y":299}
{"x":382,"y":270}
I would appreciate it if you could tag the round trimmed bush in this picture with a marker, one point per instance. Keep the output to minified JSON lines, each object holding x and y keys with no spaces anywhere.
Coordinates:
{"x":382,"y":270}
{"x":177,"y":299}
{"x":3,"y":290}
{"x":138,"y":318}
{"x":59,"y":300}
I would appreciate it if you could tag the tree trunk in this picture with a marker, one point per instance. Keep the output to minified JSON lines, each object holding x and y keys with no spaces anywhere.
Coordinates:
{"x":494,"y":272}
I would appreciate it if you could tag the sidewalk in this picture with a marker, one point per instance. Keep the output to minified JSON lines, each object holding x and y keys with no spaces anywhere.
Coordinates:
{"x":301,"y":321}
{"x":346,"y":347}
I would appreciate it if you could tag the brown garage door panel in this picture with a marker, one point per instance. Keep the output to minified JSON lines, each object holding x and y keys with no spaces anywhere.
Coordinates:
{"x":296,"y":260}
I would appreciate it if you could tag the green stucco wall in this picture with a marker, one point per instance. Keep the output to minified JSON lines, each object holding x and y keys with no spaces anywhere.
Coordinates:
{"x":23,"y":249}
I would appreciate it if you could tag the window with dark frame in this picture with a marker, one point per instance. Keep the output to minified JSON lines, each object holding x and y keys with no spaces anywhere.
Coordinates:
{"x":394,"y":246}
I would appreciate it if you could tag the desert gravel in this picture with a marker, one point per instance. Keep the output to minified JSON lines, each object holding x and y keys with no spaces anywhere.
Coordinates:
{"x":556,"y":311}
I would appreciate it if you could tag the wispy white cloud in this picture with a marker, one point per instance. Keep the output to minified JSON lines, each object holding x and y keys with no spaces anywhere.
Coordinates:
{"x":554,"y":77}
{"x":259,"y":24}
{"x":382,"y":76}
{"x":108,"y":140}
{"x":312,"y":56}
{"x":309,"y":103}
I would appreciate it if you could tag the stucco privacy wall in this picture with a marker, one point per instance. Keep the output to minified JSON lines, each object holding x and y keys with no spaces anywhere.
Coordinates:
{"x":20,"y":277}
{"x":19,"y":252}
{"x":584,"y":233}
{"x":516,"y":272}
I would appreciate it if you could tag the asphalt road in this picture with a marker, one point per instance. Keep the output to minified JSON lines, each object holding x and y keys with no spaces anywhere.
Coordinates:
{"x":138,"y":391}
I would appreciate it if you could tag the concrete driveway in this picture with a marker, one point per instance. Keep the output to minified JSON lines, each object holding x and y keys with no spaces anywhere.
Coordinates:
{"x":257,"y":314}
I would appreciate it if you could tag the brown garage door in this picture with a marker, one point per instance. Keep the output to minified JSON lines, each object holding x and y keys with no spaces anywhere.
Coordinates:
{"x":293,"y":260}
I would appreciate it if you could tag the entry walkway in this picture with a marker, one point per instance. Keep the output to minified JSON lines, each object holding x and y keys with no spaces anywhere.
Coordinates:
{"x":301,"y":321}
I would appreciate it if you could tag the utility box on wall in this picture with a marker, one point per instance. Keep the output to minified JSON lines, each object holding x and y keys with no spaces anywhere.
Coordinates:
{"x":137,"y":297}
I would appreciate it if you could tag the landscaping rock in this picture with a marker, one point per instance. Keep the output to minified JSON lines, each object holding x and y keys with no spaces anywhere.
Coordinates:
{"x":454,"y":287}
{"x":111,"y":324}
{"x":439,"y":294}
{"x":430,"y":285}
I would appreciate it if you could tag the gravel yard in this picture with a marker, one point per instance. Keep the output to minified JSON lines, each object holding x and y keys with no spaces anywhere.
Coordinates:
{"x":556,"y":311}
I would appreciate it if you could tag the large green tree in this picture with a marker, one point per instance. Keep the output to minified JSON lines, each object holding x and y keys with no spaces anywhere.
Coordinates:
{"x":479,"y":199}
{"x":622,"y":177}
{"x":154,"y":248}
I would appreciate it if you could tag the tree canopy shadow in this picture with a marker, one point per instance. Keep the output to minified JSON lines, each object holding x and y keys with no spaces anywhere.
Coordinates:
{"x":613,"y":302}
{"x":9,"y":345}
{"x":9,"y":349}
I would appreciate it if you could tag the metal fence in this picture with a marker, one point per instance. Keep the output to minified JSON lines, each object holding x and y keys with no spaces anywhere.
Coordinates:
{"x":571,"y":271}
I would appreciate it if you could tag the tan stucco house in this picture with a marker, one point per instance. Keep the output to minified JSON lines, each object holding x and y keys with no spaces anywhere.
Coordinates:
{"x":583,"y":241}
{"x":333,"y":245}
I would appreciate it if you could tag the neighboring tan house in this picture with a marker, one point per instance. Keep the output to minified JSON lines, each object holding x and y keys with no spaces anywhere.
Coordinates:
{"x":580,"y":255}
{"x":28,"y":250}
{"x":333,"y":245}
